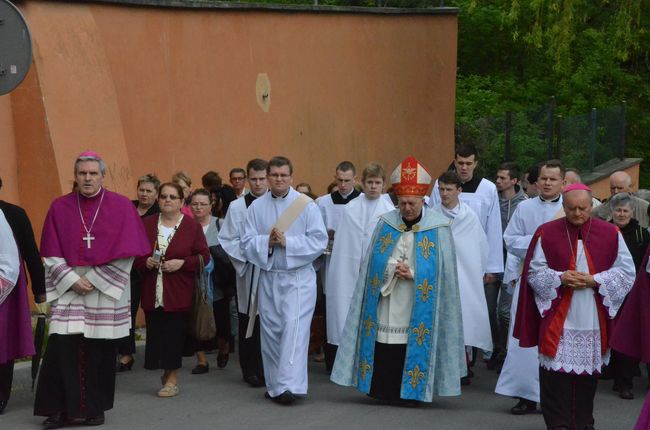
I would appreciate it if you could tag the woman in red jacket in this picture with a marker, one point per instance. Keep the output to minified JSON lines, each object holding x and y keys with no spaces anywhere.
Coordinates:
{"x":168,"y":283}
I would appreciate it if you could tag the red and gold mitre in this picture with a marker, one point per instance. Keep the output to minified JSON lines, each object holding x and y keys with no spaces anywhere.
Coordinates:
{"x":410,"y":178}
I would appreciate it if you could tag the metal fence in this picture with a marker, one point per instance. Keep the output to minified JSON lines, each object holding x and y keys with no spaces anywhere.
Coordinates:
{"x":529,"y":137}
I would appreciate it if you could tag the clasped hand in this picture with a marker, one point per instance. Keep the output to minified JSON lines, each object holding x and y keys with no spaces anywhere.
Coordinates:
{"x":167,"y":266}
{"x":82,"y":286}
{"x":403,"y":271}
{"x":277,"y":238}
{"x":577,"y":280}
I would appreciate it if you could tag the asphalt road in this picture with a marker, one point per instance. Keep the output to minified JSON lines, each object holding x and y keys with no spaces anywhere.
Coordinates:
{"x":220,"y":400}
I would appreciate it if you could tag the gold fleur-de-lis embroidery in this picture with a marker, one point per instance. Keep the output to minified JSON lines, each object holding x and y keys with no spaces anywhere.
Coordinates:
{"x":416,"y":376}
{"x":415,"y":228}
{"x":365,"y":368}
{"x":385,"y":242}
{"x":421,"y":333}
{"x":426,"y":246}
{"x":375,"y":282}
{"x":425,"y":288}
{"x":368,"y":324}
{"x":401,"y":227}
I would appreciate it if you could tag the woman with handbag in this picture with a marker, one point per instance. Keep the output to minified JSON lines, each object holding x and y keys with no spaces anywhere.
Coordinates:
{"x":168,"y":283}
{"x":201,"y":205}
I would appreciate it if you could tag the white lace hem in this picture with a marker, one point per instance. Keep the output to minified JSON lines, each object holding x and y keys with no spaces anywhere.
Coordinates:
{"x":578,"y":352}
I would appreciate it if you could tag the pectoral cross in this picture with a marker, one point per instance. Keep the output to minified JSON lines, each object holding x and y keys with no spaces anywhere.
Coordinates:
{"x":88,"y":238}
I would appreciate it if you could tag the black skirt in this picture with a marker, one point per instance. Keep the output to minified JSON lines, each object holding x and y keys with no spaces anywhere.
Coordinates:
{"x":77,"y":377}
{"x":387,"y":376}
{"x":166,"y":332}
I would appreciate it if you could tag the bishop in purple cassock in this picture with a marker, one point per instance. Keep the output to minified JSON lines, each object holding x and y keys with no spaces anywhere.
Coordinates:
{"x":90,"y":239}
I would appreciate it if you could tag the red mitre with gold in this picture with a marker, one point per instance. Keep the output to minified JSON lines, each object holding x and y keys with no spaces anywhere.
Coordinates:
{"x":410,"y":178}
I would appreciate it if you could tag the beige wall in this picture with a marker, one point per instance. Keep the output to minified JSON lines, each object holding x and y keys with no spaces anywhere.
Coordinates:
{"x":600,"y":188}
{"x":157,"y":90}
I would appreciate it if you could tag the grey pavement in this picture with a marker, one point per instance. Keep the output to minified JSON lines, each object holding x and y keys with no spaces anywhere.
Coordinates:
{"x":220,"y":400}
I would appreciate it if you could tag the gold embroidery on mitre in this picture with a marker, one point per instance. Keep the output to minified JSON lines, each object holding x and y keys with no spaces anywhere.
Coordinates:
{"x":416,"y":375}
{"x":365,"y":367}
{"x":426,"y":245}
{"x":375,"y":282}
{"x":409,"y":172}
{"x":385,"y":241}
{"x":421,"y":333}
{"x":425,"y":288}
{"x":368,"y":324}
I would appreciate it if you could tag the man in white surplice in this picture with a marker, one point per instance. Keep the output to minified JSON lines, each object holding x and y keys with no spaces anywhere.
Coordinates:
{"x":250,"y":355}
{"x":284,"y":234}
{"x":331,"y":207}
{"x":481,"y":195}
{"x":471,"y":256}
{"x":354,"y":232}
{"x":519,"y":376}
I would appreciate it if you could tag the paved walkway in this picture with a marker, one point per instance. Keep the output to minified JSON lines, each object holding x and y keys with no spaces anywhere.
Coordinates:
{"x":220,"y":400}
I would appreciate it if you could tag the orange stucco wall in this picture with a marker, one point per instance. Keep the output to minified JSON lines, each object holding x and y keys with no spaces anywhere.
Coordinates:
{"x":600,"y":188}
{"x":158,"y":90}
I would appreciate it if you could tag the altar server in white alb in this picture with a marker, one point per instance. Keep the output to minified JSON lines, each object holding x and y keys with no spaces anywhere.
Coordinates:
{"x":284,"y":234}
{"x":250,"y":355}
{"x":331,"y":207}
{"x":481,"y":195}
{"x":520,"y":376}
{"x":471,"y":256}
{"x":90,"y":238}
{"x":354,"y":232}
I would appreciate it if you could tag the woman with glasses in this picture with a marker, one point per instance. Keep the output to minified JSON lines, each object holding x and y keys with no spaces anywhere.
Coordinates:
{"x":147,"y":205}
{"x":201,"y":205}
{"x":168,"y":283}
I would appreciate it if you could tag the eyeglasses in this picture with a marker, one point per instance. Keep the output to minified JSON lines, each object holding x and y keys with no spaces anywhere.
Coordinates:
{"x":201,"y":205}
{"x":233,"y":179}
{"x":279,"y":175}
{"x":169,"y":196}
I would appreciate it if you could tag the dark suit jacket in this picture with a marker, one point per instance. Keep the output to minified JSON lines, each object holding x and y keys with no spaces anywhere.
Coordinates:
{"x":178,"y":287}
{"x":24,"y":234}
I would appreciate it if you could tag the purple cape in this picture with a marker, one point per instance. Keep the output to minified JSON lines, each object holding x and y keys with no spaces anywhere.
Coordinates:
{"x":118,"y":230}
{"x":16,"y":323}
{"x":601,"y":240}
{"x":632,"y":331}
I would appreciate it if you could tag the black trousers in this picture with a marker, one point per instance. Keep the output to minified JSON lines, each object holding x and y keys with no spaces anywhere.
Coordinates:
{"x":328,"y":348}
{"x":126,"y":345}
{"x":6,"y":379}
{"x":387,"y":376}
{"x":250,"y":350}
{"x":567,"y":400}
{"x":77,"y":377}
{"x":624,"y":369}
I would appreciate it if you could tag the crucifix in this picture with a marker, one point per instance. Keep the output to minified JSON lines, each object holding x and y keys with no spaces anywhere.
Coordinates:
{"x":88,"y":238}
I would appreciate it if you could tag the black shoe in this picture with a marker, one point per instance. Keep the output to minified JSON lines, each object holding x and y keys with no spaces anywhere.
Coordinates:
{"x":95,"y":421}
{"x":285,"y":398}
{"x":222,"y":360}
{"x":3,"y":405}
{"x":201,"y":369}
{"x":123,"y":367}
{"x":465,"y":380}
{"x":255,"y":381}
{"x":470,"y":373}
{"x":626,"y":394}
{"x":524,"y":407}
{"x":55,"y":421}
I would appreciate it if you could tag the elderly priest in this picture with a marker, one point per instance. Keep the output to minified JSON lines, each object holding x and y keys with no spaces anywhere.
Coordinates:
{"x":403,"y":338}
{"x":90,"y":238}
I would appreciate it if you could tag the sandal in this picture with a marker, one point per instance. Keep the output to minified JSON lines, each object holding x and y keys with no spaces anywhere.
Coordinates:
{"x":168,"y":390}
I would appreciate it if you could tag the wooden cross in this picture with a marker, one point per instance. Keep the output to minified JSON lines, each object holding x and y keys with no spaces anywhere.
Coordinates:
{"x":88,"y":238}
